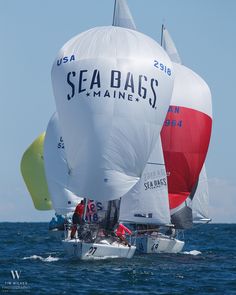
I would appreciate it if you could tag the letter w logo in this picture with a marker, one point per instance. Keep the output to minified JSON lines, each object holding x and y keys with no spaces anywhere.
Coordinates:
{"x":15,"y":274}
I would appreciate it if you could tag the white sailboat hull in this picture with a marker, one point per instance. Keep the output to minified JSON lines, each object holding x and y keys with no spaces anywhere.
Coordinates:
{"x":158,"y":244}
{"x":101,"y":250}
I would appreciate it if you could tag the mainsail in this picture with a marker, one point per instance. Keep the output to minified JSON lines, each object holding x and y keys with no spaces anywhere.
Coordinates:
{"x":185,"y":138}
{"x":111,"y":99}
{"x":200,"y":201}
{"x":169,"y":46}
{"x":122,"y":16}
{"x":32,"y":170}
{"x":57,"y":169}
{"x":147,"y":202}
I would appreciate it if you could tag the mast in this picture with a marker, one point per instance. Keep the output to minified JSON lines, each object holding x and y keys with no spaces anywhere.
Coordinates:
{"x":113,"y":21}
{"x":108,"y":216}
{"x":162,"y":31}
{"x":85,"y":208}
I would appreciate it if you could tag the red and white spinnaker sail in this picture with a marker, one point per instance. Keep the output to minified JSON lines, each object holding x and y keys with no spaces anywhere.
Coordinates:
{"x":186,"y":133}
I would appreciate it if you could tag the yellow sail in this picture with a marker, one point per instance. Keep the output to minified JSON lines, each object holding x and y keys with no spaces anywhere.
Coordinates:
{"x":32,"y":170}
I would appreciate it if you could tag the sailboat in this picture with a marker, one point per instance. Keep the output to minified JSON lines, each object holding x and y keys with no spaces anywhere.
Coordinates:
{"x":185,"y":135}
{"x":111,"y":102}
{"x":32,"y":170}
{"x":64,"y":201}
{"x":146,"y":206}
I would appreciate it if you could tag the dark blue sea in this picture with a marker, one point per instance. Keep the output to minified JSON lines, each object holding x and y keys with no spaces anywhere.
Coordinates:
{"x":32,"y":262}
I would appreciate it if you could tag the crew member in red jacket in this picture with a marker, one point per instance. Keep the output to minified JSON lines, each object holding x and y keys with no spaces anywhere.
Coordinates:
{"x":77,"y":218}
{"x":121,"y":231}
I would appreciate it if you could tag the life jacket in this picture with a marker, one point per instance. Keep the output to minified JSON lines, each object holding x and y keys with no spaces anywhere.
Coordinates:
{"x":121,"y":230}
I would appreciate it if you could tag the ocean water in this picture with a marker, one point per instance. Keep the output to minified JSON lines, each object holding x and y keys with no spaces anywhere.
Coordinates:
{"x":32,"y":262}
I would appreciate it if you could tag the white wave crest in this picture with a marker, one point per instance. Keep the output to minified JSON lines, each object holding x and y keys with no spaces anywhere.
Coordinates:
{"x":103,"y":257}
{"x":47,"y":259}
{"x":193,"y":252}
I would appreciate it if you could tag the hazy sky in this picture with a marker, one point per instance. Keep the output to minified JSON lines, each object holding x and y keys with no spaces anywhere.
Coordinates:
{"x":32,"y":32}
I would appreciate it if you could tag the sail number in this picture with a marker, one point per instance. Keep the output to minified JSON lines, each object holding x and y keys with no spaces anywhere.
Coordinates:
{"x":162,"y":67}
{"x":173,"y":123}
{"x":92,"y":250}
{"x":60,"y":144}
{"x":154,"y":247}
{"x":92,"y":217}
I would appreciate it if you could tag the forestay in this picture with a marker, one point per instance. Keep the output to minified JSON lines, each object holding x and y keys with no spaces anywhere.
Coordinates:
{"x":147,"y":202}
{"x":112,"y":97}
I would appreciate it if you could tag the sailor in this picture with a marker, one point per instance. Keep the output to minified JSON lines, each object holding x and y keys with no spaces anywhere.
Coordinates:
{"x":52,"y":223}
{"x":120,"y":233}
{"x":77,"y":218}
{"x":60,"y":222}
{"x":171,"y":232}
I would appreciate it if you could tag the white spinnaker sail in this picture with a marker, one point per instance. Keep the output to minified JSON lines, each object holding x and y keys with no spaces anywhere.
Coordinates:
{"x":169,"y":46}
{"x":147,"y":202}
{"x":111,"y":101}
{"x":122,"y":16}
{"x":200,"y":202}
{"x":57,"y":170}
